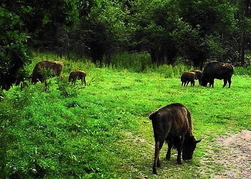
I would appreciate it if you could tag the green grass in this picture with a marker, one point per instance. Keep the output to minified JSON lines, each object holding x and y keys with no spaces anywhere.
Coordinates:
{"x":103,"y":131}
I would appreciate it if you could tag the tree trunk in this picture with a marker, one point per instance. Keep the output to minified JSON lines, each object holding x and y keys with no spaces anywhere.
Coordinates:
{"x":242,"y":49}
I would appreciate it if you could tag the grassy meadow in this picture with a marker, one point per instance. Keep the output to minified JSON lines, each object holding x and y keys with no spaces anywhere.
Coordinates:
{"x":102,"y":130}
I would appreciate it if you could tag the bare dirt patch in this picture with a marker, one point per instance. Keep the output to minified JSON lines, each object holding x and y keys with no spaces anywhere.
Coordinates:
{"x":226,"y":157}
{"x":234,"y":156}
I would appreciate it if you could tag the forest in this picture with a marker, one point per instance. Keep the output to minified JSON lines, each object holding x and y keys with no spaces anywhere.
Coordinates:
{"x":168,"y":30}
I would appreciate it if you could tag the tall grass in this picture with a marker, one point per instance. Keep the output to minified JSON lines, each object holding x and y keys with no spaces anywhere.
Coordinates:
{"x":141,"y":62}
{"x":102,"y":130}
{"x":243,"y":70}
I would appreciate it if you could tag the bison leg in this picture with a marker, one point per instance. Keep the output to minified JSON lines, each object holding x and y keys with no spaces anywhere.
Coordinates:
{"x":74,"y":79}
{"x":192,"y":83}
{"x":179,"y":156}
{"x":168,"y":154}
{"x":211,"y":83}
{"x":156,"y":162}
{"x":225,"y":82}
{"x":179,"y":149}
{"x":229,"y":82}
{"x":83,"y":81}
{"x":70,"y":79}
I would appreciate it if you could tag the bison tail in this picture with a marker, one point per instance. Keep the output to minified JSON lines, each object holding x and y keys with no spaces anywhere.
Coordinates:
{"x":153,"y":115}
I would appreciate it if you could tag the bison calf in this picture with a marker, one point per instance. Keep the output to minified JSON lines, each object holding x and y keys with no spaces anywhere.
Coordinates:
{"x":77,"y":75}
{"x":44,"y":69}
{"x":187,"y":77}
{"x":172,"y":124}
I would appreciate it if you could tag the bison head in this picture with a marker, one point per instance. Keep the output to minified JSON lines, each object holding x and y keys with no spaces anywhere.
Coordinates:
{"x":188,"y":147}
{"x":35,"y":77}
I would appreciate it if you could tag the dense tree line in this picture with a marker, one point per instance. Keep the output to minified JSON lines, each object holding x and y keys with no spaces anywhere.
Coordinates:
{"x":194,"y":30}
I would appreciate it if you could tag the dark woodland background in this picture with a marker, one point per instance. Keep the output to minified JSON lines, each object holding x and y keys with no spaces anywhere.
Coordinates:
{"x":193,"y":30}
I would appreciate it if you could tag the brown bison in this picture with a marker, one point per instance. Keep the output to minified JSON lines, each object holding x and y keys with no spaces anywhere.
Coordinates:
{"x":172,"y":124}
{"x":187,"y":77}
{"x":77,"y":74}
{"x":44,"y":69}
{"x":217,"y":70}
{"x":198,"y":75}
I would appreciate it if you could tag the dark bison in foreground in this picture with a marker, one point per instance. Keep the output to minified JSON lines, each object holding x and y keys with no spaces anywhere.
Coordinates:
{"x":217,"y":70}
{"x":187,"y":77}
{"x":173,"y":124}
{"x":77,"y":75}
{"x":44,"y":69}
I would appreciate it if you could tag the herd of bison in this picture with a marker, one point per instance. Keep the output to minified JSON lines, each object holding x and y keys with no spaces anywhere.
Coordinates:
{"x":211,"y":71}
{"x":171,"y":123}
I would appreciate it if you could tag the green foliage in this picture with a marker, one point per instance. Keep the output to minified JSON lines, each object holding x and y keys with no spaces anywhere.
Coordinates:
{"x":153,"y":28}
{"x":193,"y":29}
{"x":243,"y":70}
{"x":13,"y":53}
{"x":212,"y":28}
{"x":103,"y":29}
{"x":212,"y":17}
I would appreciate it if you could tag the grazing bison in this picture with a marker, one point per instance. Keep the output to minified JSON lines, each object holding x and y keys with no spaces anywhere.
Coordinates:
{"x":217,"y":70}
{"x":172,"y":124}
{"x":198,"y":75}
{"x":44,"y":69}
{"x":77,"y":74}
{"x":187,"y":77}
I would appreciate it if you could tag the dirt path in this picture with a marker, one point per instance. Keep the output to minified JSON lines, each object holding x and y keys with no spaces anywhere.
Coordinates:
{"x":234,"y":156}
{"x":227,"y":157}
